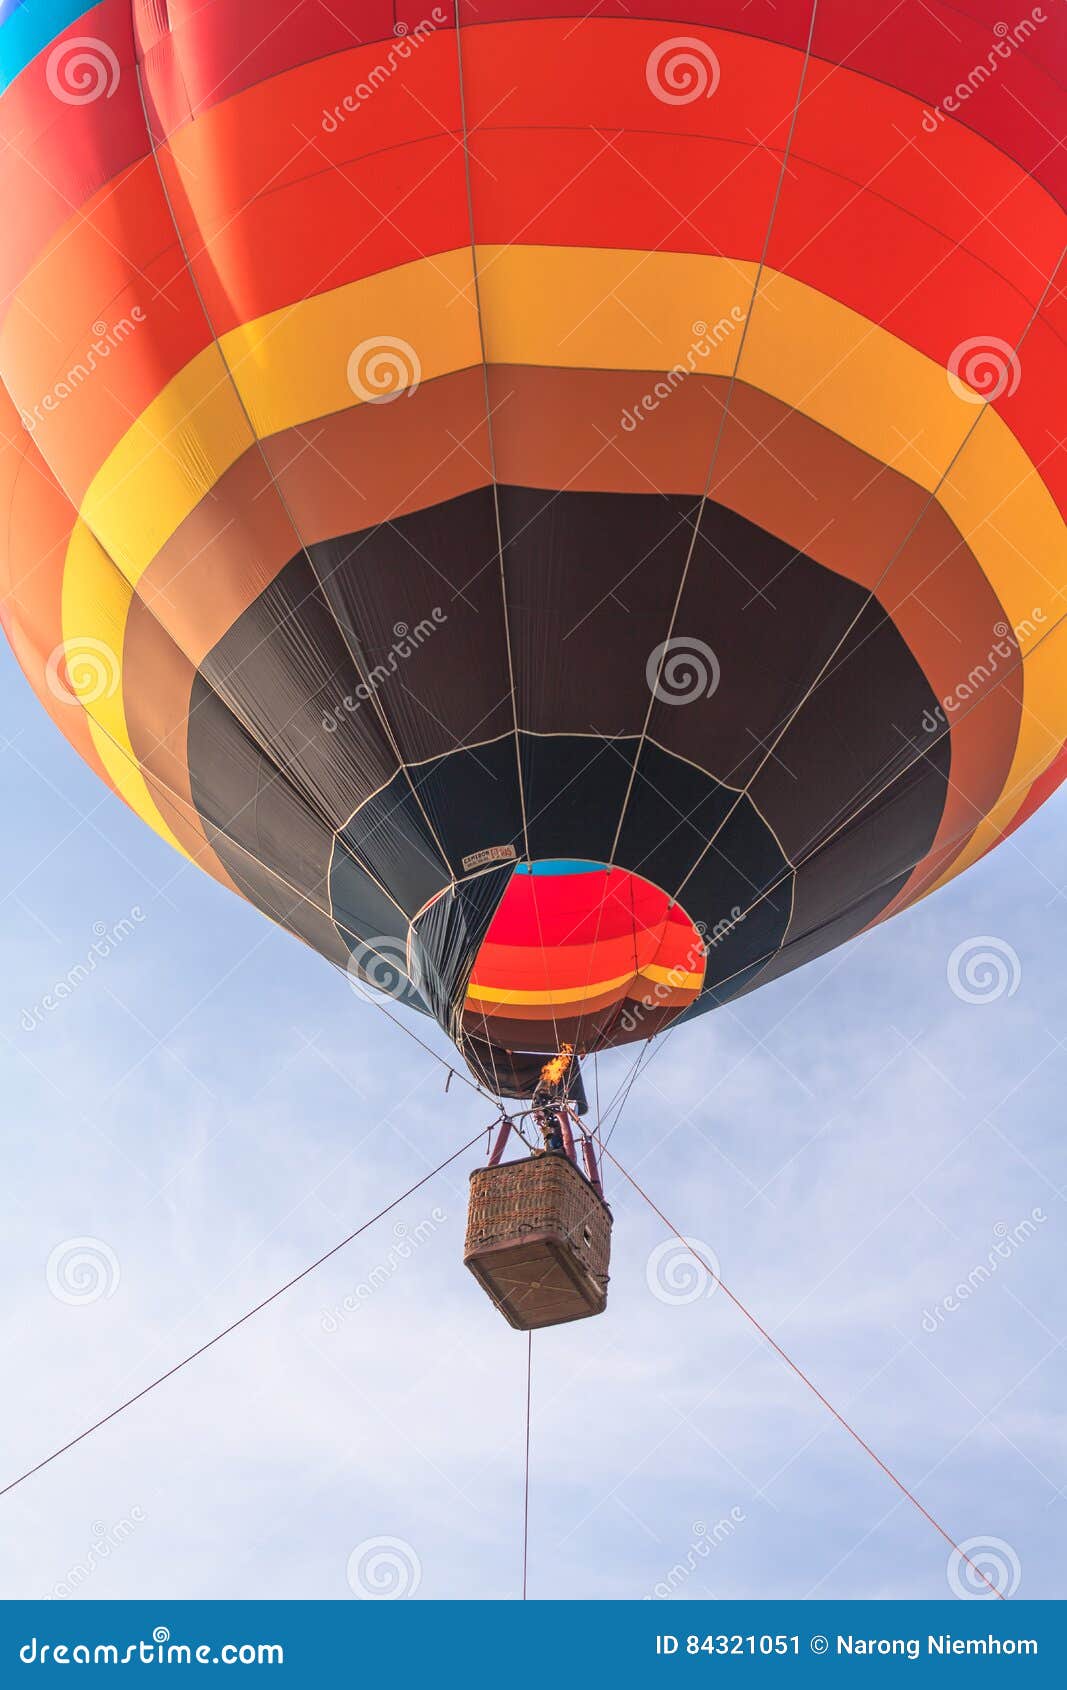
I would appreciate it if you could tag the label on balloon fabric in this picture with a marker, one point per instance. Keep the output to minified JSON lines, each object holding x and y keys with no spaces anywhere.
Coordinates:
{"x":491,"y":854}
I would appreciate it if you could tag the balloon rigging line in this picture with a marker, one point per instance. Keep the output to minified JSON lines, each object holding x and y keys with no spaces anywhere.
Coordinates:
{"x":544,"y":961}
{"x":301,"y":897}
{"x":240,"y":1321}
{"x":230,"y":379}
{"x":625,"y":1086}
{"x":454,"y":1073}
{"x":828,"y":668}
{"x":628,"y":1087}
{"x":795,"y":1368}
{"x":489,"y":431}
{"x":230,"y":705}
{"x":734,"y":382}
{"x":355,"y":981}
{"x":837,"y":827}
{"x":848,"y":814}
{"x":766,"y":892}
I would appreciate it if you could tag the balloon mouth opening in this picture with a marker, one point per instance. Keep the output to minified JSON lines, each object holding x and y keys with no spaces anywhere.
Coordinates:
{"x":582,"y":953}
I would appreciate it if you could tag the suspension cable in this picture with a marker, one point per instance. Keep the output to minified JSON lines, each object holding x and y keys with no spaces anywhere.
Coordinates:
{"x":240,"y":1321}
{"x":526,"y":1483}
{"x":790,"y":1363}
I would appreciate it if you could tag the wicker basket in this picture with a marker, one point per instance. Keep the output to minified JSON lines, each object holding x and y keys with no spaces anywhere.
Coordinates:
{"x":539,"y":1240}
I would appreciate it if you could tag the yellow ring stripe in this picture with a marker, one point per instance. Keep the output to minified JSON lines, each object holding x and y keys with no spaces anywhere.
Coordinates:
{"x":677,"y":979}
{"x":562,"y":994}
{"x":606,"y":309}
{"x":95,"y":606}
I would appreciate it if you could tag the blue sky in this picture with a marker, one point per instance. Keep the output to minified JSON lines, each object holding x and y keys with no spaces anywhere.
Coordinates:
{"x":213,"y":1106}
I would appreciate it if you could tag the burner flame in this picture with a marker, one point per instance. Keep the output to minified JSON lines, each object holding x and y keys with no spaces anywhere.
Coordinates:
{"x":555,"y":1068}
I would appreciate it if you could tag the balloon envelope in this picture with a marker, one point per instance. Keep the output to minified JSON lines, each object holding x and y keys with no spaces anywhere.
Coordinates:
{"x":561,"y":509}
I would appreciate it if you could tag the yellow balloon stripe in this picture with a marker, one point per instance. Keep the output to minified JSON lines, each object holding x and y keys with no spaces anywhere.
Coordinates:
{"x":604,"y":309}
{"x":477,"y":994}
{"x":96,"y":604}
{"x":677,"y":979}
{"x":364,"y":342}
{"x":170,"y":459}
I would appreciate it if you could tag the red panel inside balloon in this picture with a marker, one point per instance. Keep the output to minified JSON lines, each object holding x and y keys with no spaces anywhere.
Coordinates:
{"x":573,"y":940}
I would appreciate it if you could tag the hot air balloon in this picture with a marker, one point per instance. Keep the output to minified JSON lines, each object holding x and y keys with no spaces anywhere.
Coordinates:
{"x":559,"y":507}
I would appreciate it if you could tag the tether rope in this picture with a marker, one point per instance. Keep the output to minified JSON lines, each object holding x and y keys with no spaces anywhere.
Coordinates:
{"x":240,"y":1321}
{"x":526,"y":1485}
{"x":790,"y":1363}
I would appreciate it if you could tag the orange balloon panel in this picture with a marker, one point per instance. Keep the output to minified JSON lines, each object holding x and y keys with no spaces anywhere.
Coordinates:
{"x":571,"y":944}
